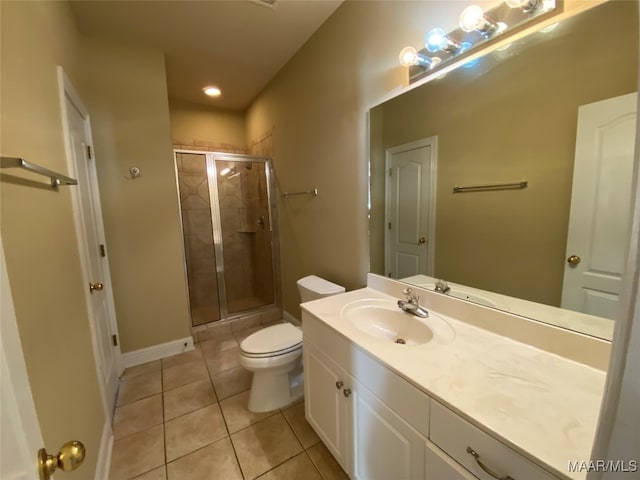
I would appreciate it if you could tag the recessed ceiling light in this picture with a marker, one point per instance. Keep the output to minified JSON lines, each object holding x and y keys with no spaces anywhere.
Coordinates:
{"x":211,"y":91}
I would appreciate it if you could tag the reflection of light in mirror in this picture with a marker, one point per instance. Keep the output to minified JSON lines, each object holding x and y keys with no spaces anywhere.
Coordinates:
{"x":550,"y":28}
{"x":472,"y":63}
{"x":525,"y":5}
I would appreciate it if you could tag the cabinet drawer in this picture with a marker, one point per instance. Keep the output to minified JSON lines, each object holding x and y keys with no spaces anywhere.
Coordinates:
{"x":439,"y":466}
{"x":454,"y":435}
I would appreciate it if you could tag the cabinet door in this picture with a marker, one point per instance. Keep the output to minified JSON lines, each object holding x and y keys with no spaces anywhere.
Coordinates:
{"x":384,"y":446}
{"x":325,"y":405}
{"x":439,"y":466}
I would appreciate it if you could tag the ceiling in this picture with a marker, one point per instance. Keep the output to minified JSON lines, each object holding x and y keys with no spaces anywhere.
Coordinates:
{"x":236,"y":45}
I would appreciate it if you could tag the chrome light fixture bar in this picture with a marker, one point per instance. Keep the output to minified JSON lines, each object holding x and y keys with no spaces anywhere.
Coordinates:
{"x":476,"y":29}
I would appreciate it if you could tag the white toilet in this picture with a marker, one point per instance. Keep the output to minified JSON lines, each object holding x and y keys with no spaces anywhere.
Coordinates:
{"x":274,"y":354}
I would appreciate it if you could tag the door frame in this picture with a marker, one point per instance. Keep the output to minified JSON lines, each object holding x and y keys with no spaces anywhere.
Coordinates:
{"x":433,"y":172}
{"x":67,"y":91}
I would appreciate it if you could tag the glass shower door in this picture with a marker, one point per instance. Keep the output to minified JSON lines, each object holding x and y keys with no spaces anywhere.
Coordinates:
{"x":246,"y":233}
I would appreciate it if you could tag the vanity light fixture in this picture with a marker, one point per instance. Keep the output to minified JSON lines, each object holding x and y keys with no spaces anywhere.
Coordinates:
{"x":410,"y":56}
{"x":473,"y":18}
{"x":437,"y":40}
{"x":475,"y":29}
{"x":212,"y":91}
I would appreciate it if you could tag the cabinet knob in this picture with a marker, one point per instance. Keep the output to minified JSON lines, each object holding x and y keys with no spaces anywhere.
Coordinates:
{"x":486,"y":469}
{"x":339,"y":384}
{"x":346,"y":392}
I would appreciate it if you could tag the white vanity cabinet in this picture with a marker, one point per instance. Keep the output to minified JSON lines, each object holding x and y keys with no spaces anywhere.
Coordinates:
{"x":379,"y":426}
{"x":368,"y":438}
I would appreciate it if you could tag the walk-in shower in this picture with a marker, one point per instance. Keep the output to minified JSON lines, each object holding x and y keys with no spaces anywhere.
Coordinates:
{"x":230,"y":244}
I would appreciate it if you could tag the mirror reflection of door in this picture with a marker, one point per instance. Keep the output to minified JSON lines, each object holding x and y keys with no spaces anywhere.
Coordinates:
{"x":600,"y":216}
{"x":410,"y":208}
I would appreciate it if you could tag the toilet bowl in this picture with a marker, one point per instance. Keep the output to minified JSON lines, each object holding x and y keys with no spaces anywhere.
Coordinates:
{"x":274,"y":354}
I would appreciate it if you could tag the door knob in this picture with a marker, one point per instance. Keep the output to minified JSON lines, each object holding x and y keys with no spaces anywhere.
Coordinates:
{"x":422,"y":240}
{"x":69,"y":458}
{"x":95,"y":286}
{"x":574,"y":260}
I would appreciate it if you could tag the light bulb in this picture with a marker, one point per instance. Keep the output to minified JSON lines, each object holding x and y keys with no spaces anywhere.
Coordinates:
{"x":408,"y":56}
{"x":471,"y":18}
{"x":437,"y":40}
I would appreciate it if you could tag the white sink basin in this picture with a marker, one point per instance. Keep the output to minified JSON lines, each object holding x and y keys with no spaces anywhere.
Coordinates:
{"x":383,"y":320}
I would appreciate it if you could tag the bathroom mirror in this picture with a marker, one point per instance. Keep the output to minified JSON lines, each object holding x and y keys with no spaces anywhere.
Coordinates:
{"x":510,"y":122}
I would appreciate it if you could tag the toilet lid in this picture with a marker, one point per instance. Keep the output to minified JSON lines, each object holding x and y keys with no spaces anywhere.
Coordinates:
{"x":274,"y":340}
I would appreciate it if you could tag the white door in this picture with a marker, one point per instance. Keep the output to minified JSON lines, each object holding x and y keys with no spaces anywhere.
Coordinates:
{"x":89,"y":229}
{"x":325,"y":406}
{"x":600,"y":215}
{"x":20,"y":434}
{"x":410,"y":209}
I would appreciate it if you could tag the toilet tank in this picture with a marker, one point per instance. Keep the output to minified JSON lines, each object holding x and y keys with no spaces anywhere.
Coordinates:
{"x":312,"y":288}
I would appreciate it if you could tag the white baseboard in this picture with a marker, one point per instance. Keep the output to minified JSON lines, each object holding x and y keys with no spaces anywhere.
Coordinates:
{"x":287,"y":317}
{"x":104,"y":455}
{"x":156,"y":352}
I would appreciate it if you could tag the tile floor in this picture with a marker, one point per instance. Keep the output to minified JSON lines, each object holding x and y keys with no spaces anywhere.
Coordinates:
{"x":185,"y":418}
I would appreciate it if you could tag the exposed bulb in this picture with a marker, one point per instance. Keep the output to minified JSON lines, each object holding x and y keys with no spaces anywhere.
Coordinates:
{"x":473,"y":18}
{"x":437,"y":40}
{"x":408,"y":56}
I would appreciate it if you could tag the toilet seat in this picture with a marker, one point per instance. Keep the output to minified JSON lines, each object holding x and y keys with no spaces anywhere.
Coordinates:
{"x":272,"y":341}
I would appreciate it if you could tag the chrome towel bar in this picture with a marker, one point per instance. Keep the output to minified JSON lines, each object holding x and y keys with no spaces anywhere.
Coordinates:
{"x":56,"y":178}
{"x":313,"y":192}
{"x":497,"y":186}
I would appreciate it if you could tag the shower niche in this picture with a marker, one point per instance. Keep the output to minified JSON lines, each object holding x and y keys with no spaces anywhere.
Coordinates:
{"x":230,"y":243}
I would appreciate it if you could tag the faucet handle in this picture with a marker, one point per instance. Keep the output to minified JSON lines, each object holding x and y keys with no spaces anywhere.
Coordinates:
{"x":411,"y":297}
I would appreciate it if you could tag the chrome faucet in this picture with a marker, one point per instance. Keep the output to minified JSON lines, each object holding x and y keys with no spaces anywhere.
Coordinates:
{"x":412,"y":304}
{"x":442,"y":286}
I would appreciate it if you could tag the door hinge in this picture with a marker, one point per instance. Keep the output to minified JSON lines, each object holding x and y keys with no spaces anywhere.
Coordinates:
{"x":114,"y":340}
{"x":390,"y":172}
{"x":89,"y":155}
{"x":389,"y":225}
{"x":103,"y":251}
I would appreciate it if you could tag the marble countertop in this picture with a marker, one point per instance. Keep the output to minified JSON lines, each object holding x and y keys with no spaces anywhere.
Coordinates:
{"x":542,"y":405}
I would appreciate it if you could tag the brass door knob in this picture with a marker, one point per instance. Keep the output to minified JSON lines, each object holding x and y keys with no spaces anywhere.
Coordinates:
{"x":422,"y":240}
{"x":69,"y":458}
{"x":574,"y":260}
{"x":95,"y":286}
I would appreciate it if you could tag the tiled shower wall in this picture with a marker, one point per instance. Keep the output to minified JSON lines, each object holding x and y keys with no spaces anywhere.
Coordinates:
{"x":198,"y":238}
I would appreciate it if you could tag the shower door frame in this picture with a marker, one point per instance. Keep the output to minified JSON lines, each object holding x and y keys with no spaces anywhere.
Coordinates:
{"x":216,"y":223}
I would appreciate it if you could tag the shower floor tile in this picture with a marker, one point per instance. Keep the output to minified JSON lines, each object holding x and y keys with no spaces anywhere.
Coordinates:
{"x":197,"y":435}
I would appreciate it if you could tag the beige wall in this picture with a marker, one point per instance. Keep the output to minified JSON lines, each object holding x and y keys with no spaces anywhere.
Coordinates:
{"x":517,"y":121}
{"x":317,"y":105}
{"x":126,"y":94}
{"x":205,"y":127}
{"x":38,"y":231}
